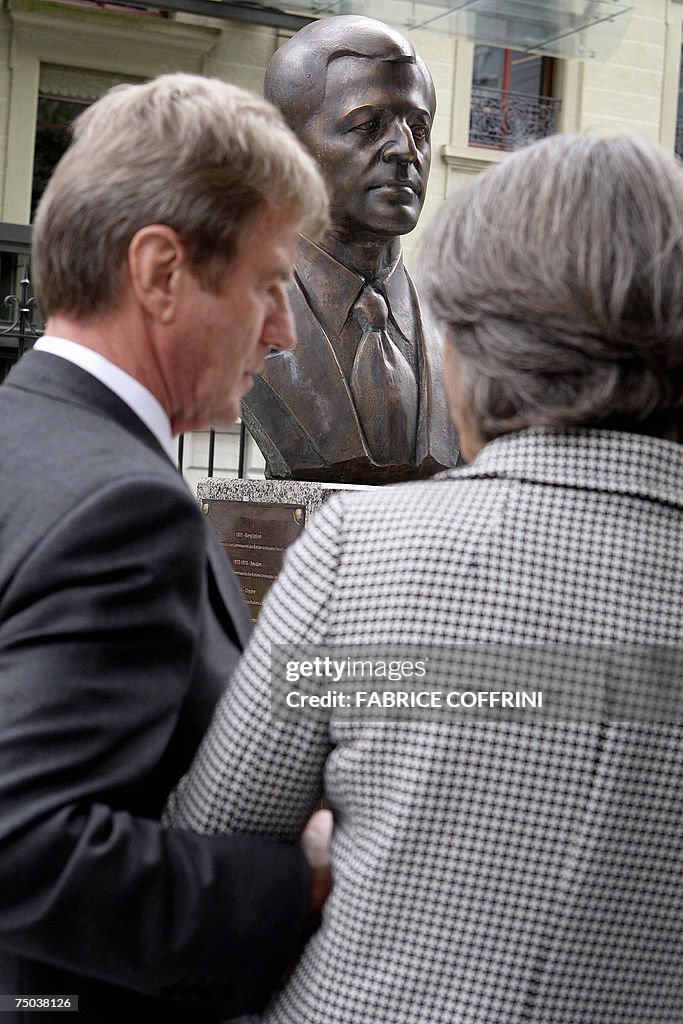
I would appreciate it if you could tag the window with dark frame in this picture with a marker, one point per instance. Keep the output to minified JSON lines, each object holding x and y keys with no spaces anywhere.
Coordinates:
{"x":53,"y":134}
{"x":512,"y":98}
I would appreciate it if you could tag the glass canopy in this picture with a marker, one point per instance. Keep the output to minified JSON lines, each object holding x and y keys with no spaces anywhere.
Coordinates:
{"x":583,"y":29}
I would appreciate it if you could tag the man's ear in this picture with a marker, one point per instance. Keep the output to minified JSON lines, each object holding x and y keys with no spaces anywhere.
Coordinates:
{"x":157,"y":261}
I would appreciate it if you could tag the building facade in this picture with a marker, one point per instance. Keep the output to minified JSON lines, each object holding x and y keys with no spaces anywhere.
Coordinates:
{"x":56,"y":56}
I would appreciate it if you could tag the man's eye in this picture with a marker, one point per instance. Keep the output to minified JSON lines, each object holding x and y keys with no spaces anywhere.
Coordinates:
{"x":367,"y":126}
{"x":420,"y":131}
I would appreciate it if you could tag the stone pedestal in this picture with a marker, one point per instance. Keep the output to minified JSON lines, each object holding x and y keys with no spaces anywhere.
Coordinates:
{"x":257,"y":520}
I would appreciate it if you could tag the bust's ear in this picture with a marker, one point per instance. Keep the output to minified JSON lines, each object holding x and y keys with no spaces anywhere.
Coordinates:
{"x":157,"y":264}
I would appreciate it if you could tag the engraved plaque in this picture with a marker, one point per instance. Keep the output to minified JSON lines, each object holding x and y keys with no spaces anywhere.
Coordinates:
{"x":255,"y":536}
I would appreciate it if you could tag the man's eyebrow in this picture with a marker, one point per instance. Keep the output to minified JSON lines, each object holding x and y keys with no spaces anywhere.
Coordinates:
{"x":364,"y":110}
{"x":370,"y":110}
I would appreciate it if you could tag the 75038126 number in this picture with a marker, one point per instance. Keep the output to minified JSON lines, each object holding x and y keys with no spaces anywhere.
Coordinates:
{"x":38,"y":1002}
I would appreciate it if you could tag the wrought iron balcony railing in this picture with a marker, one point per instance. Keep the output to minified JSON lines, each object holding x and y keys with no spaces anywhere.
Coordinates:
{"x":507,"y":120}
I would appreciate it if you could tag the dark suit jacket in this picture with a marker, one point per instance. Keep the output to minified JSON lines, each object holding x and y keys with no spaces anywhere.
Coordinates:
{"x":300,"y":410}
{"x":120,"y":620}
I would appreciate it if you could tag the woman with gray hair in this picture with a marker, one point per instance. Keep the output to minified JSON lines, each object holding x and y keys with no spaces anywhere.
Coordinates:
{"x":496,"y":860}
{"x":558,"y":278}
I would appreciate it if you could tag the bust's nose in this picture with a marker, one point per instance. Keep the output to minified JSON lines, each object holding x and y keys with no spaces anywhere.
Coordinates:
{"x":400,"y":145}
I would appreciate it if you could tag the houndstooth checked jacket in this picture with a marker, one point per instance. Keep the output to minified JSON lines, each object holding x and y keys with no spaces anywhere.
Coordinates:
{"x":485,"y":870}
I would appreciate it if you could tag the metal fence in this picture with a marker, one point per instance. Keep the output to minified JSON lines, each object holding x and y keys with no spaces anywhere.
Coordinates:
{"x":505,"y":120}
{"x":21,"y":323}
{"x":19,"y":318}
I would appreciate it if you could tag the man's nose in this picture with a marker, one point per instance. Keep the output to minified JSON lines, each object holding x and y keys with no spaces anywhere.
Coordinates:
{"x":401,"y":144}
{"x":279,"y":332}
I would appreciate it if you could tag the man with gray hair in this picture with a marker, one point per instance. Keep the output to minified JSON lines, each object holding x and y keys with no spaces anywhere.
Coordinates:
{"x":362,"y":399}
{"x":162,"y":248}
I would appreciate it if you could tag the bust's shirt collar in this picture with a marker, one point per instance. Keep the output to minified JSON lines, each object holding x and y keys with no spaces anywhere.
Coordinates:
{"x":332,"y":288}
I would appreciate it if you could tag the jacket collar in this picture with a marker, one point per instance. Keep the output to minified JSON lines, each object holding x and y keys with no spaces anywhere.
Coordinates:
{"x":47,"y":374}
{"x":599,"y":460}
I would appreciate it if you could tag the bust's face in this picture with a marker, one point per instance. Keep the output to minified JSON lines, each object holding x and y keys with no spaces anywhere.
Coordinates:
{"x":371,"y":138}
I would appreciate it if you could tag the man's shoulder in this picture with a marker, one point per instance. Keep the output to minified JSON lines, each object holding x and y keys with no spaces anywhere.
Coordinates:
{"x":61,"y":456}
{"x":56,"y":421}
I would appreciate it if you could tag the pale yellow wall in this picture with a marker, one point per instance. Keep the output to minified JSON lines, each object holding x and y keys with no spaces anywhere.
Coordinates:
{"x":4,"y":94}
{"x":242,"y":53}
{"x":625,"y":94}
{"x":672,"y":61}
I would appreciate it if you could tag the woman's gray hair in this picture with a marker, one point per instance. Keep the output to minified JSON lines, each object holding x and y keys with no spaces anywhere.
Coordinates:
{"x":196,"y":154}
{"x":558,"y":277}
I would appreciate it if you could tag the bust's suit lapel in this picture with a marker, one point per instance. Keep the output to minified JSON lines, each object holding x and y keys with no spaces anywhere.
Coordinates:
{"x":312,"y":374}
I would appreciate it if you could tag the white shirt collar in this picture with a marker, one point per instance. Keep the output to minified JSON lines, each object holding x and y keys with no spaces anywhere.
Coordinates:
{"x":136,"y":396}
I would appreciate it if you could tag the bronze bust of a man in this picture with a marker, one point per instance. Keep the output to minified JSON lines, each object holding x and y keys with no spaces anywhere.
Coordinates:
{"x":360,"y":400}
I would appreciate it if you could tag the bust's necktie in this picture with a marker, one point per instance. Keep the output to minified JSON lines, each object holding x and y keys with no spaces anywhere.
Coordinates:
{"x":382,"y":383}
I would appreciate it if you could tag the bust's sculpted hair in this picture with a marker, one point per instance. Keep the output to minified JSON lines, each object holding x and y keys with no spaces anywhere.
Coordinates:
{"x":297,"y":72}
{"x":197,"y":154}
{"x":558,"y":278}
